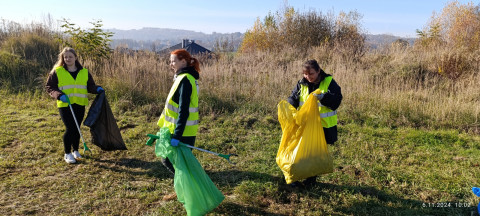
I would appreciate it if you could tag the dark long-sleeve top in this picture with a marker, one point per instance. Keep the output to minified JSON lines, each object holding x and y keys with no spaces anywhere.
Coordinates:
{"x":182,"y":97}
{"x":52,"y":83}
{"x":332,"y":99}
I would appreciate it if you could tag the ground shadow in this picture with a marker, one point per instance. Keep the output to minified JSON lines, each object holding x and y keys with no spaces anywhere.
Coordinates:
{"x":383,"y":202}
{"x":235,"y":177}
{"x":380,"y":202}
{"x":229,"y":208}
{"x":135,"y":166}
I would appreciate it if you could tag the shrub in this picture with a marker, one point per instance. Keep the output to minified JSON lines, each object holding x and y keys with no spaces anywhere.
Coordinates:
{"x":31,"y":47}
{"x":18,"y":73}
{"x":92,"y":44}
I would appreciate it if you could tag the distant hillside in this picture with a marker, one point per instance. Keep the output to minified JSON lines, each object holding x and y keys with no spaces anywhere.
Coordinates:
{"x":160,"y":38}
{"x":377,"y":41}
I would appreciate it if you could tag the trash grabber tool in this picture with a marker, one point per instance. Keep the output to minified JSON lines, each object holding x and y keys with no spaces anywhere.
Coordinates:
{"x":152,"y":139}
{"x":210,"y":152}
{"x":85,"y":148}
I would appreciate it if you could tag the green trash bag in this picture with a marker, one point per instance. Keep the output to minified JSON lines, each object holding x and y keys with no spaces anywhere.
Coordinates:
{"x":193,"y":186}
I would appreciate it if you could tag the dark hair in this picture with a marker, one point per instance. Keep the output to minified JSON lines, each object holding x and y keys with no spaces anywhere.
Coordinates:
{"x":184,"y":54}
{"x":311,"y":64}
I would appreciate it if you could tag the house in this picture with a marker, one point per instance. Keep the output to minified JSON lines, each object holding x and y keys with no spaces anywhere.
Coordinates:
{"x":190,"y":45}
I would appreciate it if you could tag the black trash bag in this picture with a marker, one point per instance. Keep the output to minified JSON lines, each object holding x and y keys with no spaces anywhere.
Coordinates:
{"x":103,"y":126}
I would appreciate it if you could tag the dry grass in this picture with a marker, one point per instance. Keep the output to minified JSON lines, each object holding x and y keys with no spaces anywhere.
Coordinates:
{"x":393,"y":87}
{"x":406,"y":137}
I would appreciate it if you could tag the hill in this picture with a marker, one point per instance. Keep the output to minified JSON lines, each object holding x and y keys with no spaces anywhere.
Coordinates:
{"x":377,"y":41}
{"x":159,"y":38}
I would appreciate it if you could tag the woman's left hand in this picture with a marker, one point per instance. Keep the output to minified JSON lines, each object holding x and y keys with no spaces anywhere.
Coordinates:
{"x":319,"y":96}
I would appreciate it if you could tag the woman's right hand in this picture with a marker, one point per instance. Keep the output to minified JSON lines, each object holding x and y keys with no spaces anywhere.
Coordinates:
{"x":63,"y":98}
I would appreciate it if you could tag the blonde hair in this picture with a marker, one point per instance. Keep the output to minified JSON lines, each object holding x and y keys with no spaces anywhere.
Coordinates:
{"x":61,"y":62}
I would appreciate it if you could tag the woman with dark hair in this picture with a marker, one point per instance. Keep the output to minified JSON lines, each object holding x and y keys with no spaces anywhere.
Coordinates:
{"x":69,"y":80}
{"x":329,"y":100}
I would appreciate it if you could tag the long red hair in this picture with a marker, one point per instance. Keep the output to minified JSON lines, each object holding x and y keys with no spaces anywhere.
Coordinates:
{"x":184,"y":54}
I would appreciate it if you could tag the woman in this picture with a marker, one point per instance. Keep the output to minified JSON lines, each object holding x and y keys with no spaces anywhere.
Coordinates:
{"x":180,"y":114}
{"x":68,"y":80}
{"x":314,"y":78}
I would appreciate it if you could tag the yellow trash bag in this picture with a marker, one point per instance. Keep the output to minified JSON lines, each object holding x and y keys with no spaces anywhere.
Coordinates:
{"x":303,"y":150}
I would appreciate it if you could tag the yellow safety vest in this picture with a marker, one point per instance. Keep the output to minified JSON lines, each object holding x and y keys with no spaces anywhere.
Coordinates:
{"x":171,"y":111}
{"x":75,"y":89}
{"x":328,"y":116}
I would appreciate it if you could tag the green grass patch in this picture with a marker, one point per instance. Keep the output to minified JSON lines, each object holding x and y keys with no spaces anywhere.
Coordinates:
{"x":377,"y":170}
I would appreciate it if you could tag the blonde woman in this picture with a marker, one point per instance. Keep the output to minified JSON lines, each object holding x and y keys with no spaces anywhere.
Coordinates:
{"x":70,"y":80}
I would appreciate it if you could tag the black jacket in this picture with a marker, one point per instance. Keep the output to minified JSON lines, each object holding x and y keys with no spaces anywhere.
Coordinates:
{"x":52,"y":83}
{"x":182,"y":98}
{"x":332,"y":100}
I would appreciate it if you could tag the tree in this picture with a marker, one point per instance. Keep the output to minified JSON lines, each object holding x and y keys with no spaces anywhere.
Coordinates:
{"x":290,"y":28}
{"x":224,"y":45}
{"x":261,"y":36}
{"x":432,"y":37}
{"x":348,"y":37}
{"x":458,"y":26}
{"x":92,"y":44}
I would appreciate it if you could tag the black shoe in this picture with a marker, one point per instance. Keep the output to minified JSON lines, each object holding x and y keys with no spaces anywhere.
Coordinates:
{"x":294,"y":184}
{"x":310,"y":181}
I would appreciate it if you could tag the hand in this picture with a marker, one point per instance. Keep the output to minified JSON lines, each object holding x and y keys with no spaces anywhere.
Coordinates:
{"x":100,"y":90}
{"x":319,"y":96}
{"x":174,"y":142}
{"x":64,"y":98}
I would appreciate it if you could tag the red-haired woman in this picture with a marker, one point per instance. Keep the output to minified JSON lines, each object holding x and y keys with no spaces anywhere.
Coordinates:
{"x":180,"y":114}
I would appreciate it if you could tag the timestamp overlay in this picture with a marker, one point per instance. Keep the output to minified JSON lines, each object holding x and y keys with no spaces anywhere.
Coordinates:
{"x":447,"y":205}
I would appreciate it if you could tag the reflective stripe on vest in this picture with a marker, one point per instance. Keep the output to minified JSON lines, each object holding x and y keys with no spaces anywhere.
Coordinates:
{"x":176,"y":109}
{"x":173,"y":120}
{"x":72,"y":86}
{"x":328,"y":116}
{"x":75,"y":89}
{"x":171,"y":111}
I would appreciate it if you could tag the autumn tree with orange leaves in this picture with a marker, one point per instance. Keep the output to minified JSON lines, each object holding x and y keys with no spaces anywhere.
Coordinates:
{"x":454,"y":38}
{"x":290,"y":28}
{"x":457,"y":26}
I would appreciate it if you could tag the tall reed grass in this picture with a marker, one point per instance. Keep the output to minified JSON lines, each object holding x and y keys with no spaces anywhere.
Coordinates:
{"x":389,"y":88}
{"x":395,"y":86}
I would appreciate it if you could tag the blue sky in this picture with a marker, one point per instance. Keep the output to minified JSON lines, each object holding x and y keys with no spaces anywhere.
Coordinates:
{"x":396,"y":17}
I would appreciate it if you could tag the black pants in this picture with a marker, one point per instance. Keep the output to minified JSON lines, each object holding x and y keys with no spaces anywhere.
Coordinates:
{"x":71,"y":137}
{"x":167,"y":163}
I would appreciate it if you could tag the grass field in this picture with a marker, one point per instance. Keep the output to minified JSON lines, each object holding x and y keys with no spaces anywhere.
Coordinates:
{"x":409,"y":127}
{"x":377,"y":170}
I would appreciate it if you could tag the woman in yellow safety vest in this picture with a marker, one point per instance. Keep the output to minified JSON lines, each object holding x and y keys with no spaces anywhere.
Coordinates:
{"x":315,"y":78}
{"x":180,"y":114}
{"x":69,"y":78}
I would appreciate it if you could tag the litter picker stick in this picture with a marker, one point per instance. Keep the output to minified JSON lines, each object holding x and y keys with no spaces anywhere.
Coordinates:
{"x":85,"y":148}
{"x":152,"y":139}
{"x":210,"y":152}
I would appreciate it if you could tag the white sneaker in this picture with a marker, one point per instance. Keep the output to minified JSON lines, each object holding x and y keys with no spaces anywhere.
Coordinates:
{"x":69,"y":158}
{"x":77,"y":155}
